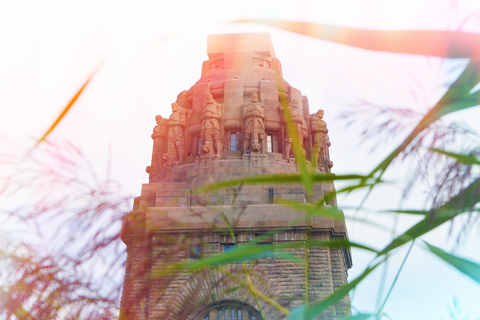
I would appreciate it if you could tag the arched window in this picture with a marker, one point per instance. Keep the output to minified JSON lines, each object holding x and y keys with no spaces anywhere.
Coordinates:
{"x":231,"y":310}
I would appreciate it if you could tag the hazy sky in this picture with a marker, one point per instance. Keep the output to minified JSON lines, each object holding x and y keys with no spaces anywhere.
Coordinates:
{"x":151,"y":51}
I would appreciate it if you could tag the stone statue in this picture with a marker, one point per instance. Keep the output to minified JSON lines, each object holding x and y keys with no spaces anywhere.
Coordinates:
{"x":320,"y":154}
{"x":254,"y":129}
{"x":210,"y":130}
{"x":300,"y":125}
{"x":176,"y":137}
{"x":159,"y":136}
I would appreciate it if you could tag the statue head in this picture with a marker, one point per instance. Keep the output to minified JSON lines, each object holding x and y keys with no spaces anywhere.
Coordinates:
{"x":158,"y":119}
{"x":210,"y":99}
{"x":174,"y":107}
{"x":320,"y":113}
{"x":295,"y":103}
{"x":254,"y":97}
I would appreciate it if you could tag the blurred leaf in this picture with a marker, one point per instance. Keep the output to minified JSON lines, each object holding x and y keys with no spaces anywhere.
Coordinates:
{"x":457,"y":97}
{"x":460,"y":96}
{"x":462,"y":158}
{"x":464,"y":201}
{"x":239,"y":254}
{"x":67,"y":108}
{"x":309,"y":312}
{"x":313,"y":210}
{"x":465,"y":266}
{"x":303,"y":169}
{"x":361,"y":316}
{"x":287,"y":178}
{"x":447,"y":44}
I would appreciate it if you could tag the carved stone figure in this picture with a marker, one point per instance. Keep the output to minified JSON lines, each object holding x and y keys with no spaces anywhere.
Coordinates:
{"x":176,"y":138}
{"x":300,"y":122}
{"x":301,"y":126}
{"x":159,"y":136}
{"x":210,"y":130}
{"x":320,"y":154}
{"x":254,"y":129}
{"x":325,"y":155}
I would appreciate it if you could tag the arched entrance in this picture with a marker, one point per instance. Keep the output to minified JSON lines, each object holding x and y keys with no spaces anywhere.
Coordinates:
{"x":231,"y":310}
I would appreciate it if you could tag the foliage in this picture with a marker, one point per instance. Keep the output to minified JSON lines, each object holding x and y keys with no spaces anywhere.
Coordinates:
{"x":45,"y":286}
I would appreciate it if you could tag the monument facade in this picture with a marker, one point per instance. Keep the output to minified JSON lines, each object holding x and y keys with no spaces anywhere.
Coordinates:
{"x":231,"y":124}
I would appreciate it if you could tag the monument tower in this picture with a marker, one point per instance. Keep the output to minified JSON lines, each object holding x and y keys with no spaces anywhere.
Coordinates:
{"x":231,"y":124}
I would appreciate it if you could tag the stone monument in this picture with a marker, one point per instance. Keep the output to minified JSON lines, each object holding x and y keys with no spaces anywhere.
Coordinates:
{"x":231,"y":124}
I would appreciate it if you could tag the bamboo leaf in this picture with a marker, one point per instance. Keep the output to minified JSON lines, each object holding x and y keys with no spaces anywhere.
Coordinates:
{"x":462,"y":158}
{"x":360,"y":316}
{"x":464,"y":201}
{"x":277,"y":179}
{"x":465,"y":266}
{"x":458,"y":97}
{"x":292,"y":133}
{"x":309,"y":312}
{"x":67,"y":108}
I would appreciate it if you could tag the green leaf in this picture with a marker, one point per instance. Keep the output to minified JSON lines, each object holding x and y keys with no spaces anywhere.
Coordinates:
{"x":462,"y":158}
{"x":465,"y":266}
{"x":458,"y":97}
{"x":464,"y":201}
{"x":298,"y":313}
{"x":287,"y":178}
{"x":309,"y":312}
{"x":313,"y":210}
{"x":360,"y":316}
{"x":303,"y":169}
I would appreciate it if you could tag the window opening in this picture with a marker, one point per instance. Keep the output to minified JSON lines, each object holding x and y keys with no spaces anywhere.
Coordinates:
{"x":199,"y":145}
{"x":228,"y":247}
{"x":269,"y":143}
{"x":233,"y":142}
{"x":194,"y":252}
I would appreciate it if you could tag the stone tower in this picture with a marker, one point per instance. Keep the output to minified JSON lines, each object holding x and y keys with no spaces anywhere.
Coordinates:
{"x":230,"y":125}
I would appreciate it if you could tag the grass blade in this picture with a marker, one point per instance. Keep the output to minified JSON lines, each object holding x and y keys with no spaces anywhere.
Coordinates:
{"x":465,"y":266}
{"x":286,"y":178}
{"x":461,"y":158}
{"x":309,"y":312}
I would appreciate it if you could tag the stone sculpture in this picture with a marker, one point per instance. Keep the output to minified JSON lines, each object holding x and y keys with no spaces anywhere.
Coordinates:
{"x":176,"y":137}
{"x":320,"y":154}
{"x":254,"y":129}
{"x":159,"y":136}
{"x":300,"y":123}
{"x":210,"y":129}
{"x":301,"y":128}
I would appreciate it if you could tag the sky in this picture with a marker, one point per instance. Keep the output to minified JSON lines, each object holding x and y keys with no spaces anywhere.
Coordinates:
{"x":146,"y":52}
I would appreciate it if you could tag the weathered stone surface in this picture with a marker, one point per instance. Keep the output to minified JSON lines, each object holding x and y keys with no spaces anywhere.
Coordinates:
{"x":231,"y":125}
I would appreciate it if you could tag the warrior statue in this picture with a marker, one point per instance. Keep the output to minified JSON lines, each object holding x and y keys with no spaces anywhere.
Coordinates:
{"x":176,"y":138}
{"x":210,"y":130}
{"x":254,"y":129}
{"x":159,"y":136}
{"x":320,"y":154}
{"x":301,"y":128}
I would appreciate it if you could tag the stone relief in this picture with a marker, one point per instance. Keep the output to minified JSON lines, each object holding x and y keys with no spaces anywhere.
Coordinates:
{"x":254,"y":129}
{"x":169,"y":147}
{"x":210,"y":130}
